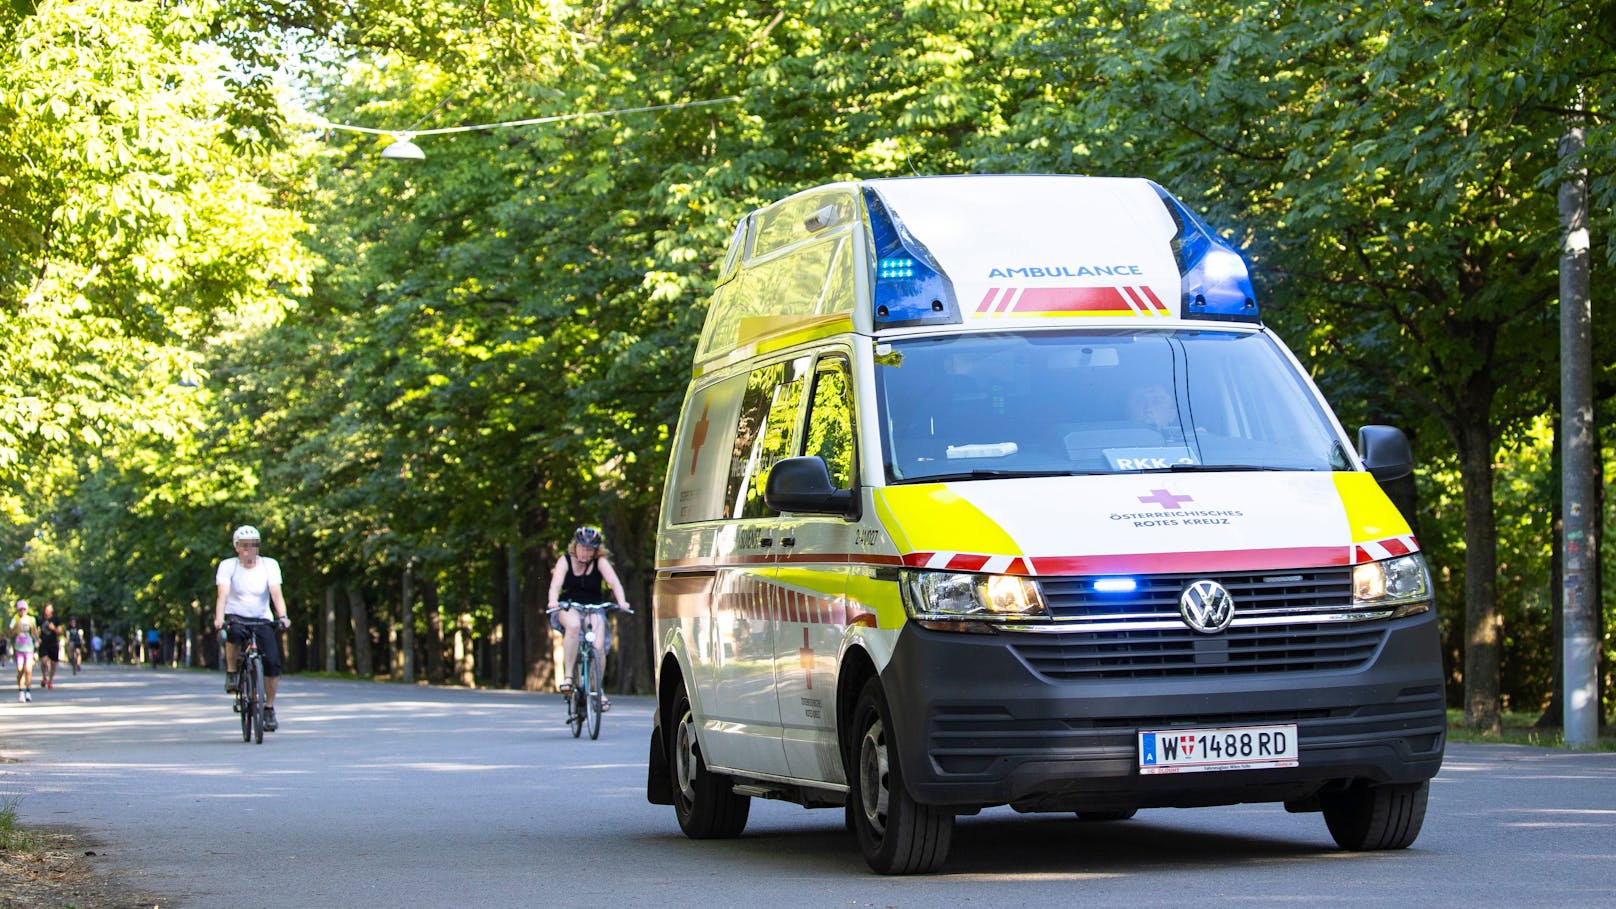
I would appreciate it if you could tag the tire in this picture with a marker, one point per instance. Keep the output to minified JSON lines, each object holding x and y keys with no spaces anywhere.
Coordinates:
{"x":592,"y":702}
{"x":244,"y":699}
{"x":896,"y":834}
{"x":1370,"y":818}
{"x":575,"y":700}
{"x":258,"y":702}
{"x":1090,"y":817}
{"x":704,"y":802}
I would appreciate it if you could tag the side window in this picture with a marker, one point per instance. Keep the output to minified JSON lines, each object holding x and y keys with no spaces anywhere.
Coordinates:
{"x":765,"y":435}
{"x":830,"y":420}
{"x":700,"y":463}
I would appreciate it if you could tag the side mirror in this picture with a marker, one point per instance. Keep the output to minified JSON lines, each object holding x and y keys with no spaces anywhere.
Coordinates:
{"x":1390,"y":461}
{"x":803,"y":485}
{"x":1386,"y":452}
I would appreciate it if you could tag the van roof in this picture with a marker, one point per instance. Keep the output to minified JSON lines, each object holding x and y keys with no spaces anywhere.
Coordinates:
{"x":971,"y":250}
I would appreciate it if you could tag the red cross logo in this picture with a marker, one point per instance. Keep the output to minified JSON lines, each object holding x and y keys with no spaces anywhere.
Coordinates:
{"x":807,"y":654}
{"x":698,"y":438}
{"x":1165,"y":499}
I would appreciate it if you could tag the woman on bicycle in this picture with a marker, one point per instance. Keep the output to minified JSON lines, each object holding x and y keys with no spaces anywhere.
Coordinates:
{"x":577,"y":578}
{"x":249,"y":585}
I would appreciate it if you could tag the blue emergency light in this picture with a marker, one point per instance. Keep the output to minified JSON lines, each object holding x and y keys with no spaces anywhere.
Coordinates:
{"x":1115,"y":585}
{"x":1216,"y":282}
{"x":910,"y":287}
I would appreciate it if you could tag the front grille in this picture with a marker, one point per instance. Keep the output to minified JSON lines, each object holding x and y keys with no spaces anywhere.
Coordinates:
{"x":1299,"y":621}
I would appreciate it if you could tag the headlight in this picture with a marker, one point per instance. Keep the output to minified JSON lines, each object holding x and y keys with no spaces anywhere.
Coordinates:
{"x":952,"y":596}
{"x":1401,"y":584}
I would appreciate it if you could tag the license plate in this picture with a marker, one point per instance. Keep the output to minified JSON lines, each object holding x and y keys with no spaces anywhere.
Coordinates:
{"x":1223,"y":748}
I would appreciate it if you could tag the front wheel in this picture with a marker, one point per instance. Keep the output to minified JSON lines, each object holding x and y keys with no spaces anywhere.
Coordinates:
{"x":244,"y":702}
{"x":705,"y":802}
{"x":1366,"y":818}
{"x":897,"y":834}
{"x":258,"y":702}
{"x":593,"y":700}
{"x":575,"y":700}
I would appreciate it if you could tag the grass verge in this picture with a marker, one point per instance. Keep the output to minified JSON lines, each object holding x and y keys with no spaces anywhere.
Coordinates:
{"x":1520,"y":729}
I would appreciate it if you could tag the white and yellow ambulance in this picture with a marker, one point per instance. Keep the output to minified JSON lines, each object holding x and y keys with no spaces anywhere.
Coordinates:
{"x":994,"y":490}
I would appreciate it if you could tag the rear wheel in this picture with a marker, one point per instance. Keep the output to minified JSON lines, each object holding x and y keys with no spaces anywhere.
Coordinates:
{"x":1365,"y":818}
{"x":244,"y":701}
{"x":705,"y":802}
{"x":897,"y":834}
{"x":593,"y":701}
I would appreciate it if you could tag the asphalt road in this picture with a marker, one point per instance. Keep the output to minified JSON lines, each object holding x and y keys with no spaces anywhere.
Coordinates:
{"x":384,"y":796}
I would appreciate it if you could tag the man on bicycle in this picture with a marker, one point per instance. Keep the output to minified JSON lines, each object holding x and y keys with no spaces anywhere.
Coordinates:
{"x":249,"y":585}
{"x":577,"y":577}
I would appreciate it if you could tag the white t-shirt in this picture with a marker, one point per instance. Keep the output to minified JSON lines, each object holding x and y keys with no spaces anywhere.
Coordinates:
{"x":249,"y":587}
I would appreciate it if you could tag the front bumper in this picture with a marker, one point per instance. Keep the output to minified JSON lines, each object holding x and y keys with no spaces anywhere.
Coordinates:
{"x":977,"y":725}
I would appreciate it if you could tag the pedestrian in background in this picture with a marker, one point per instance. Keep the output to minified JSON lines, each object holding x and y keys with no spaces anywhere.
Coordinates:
{"x":24,"y":633}
{"x":48,"y":649}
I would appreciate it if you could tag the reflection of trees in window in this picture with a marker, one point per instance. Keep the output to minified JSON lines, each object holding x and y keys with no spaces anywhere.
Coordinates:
{"x":760,"y":387}
{"x":830,"y":421}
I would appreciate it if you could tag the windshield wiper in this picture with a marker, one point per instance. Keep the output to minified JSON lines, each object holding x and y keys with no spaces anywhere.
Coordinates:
{"x":1214,"y":468}
{"x":1000,"y":474}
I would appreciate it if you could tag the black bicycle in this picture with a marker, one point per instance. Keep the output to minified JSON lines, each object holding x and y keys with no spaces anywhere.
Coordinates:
{"x":249,"y":680}
{"x":585,"y":701}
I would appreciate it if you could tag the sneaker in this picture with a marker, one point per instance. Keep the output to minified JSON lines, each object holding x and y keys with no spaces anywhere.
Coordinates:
{"x":269,"y":720}
{"x":28,"y":697}
{"x":22,"y":698}
{"x":230,"y":686}
{"x":605,"y":704}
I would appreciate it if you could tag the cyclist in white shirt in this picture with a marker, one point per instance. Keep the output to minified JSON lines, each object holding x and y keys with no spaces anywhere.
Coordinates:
{"x":249,"y":588}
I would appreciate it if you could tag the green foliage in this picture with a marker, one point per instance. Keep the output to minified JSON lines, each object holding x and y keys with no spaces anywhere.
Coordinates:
{"x":443,"y":361}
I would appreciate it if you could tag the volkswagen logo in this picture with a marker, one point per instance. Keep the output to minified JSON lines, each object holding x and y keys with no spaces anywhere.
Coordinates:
{"x":1206,"y":607}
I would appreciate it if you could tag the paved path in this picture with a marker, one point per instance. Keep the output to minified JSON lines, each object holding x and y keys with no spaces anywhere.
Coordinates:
{"x":385,"y":796}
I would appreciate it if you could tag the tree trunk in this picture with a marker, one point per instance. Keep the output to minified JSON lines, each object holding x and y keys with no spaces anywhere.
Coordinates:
{"x":1482,"y":621}
{"x":515,"y":627}
{"x":328,"y":628}
{"x":538,"y":646}
{"x":363,"y":667}
{"x":434,"y":630}
{"x":406,"y":628}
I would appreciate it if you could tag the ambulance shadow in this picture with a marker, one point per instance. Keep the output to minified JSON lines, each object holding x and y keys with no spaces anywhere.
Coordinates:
{"x":1009,"y":846}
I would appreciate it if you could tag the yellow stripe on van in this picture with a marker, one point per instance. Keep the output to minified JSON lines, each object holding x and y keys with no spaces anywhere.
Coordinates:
{"x":1370,"y":515}
{"x":933,"y":518}
{"x":879,"y":596}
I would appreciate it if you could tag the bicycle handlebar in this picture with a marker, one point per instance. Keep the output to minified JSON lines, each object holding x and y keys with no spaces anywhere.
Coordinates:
{"x":589,"y":607}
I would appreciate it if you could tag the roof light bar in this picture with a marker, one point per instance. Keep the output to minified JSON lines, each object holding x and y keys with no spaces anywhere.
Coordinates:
{"x":910,"y":287}
{"x":1217,"y":284}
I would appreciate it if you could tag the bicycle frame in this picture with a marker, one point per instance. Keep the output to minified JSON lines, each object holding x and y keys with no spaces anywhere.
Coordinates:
{"x":250,"y":684}
{"x":584,"y":703}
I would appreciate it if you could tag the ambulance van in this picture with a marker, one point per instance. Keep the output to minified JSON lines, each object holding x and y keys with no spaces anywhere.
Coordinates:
{"x":995,"y":490}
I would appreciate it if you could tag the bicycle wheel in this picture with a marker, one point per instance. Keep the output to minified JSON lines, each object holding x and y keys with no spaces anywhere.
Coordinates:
{"x":595,"y":695}
{"x":575,"y":701}
{"x":244,"y":699}
{"x":258,"y":701}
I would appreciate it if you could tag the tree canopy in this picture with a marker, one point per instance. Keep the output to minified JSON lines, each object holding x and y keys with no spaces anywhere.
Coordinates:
{"x":217,"y":308}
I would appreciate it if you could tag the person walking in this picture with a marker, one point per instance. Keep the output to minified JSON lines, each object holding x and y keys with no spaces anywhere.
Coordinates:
{"x":24,"y":632}
{"x":95,"y":647}
{"x":249,"y":585}
{"x":48,"y":650}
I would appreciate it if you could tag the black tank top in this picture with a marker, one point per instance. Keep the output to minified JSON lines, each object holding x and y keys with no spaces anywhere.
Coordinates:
{"x":581,"y":588}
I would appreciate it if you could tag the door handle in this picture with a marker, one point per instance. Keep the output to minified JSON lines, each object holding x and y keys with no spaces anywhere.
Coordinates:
{"x":766,"y":542}
{"x":788,"y":541}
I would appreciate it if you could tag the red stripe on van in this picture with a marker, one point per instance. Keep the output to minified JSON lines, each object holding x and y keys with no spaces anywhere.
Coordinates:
{"x":1072,"y":299}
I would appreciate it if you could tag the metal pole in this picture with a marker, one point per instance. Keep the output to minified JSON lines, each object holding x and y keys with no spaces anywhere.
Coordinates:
{"x":1580,"y":453}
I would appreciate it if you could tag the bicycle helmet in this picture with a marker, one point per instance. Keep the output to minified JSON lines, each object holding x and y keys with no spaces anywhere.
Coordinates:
{"x":244,"y":532}
{"x":588,"y":536}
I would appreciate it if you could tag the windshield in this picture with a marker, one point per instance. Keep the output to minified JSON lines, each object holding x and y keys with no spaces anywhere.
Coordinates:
{"x":1039,"y":403}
